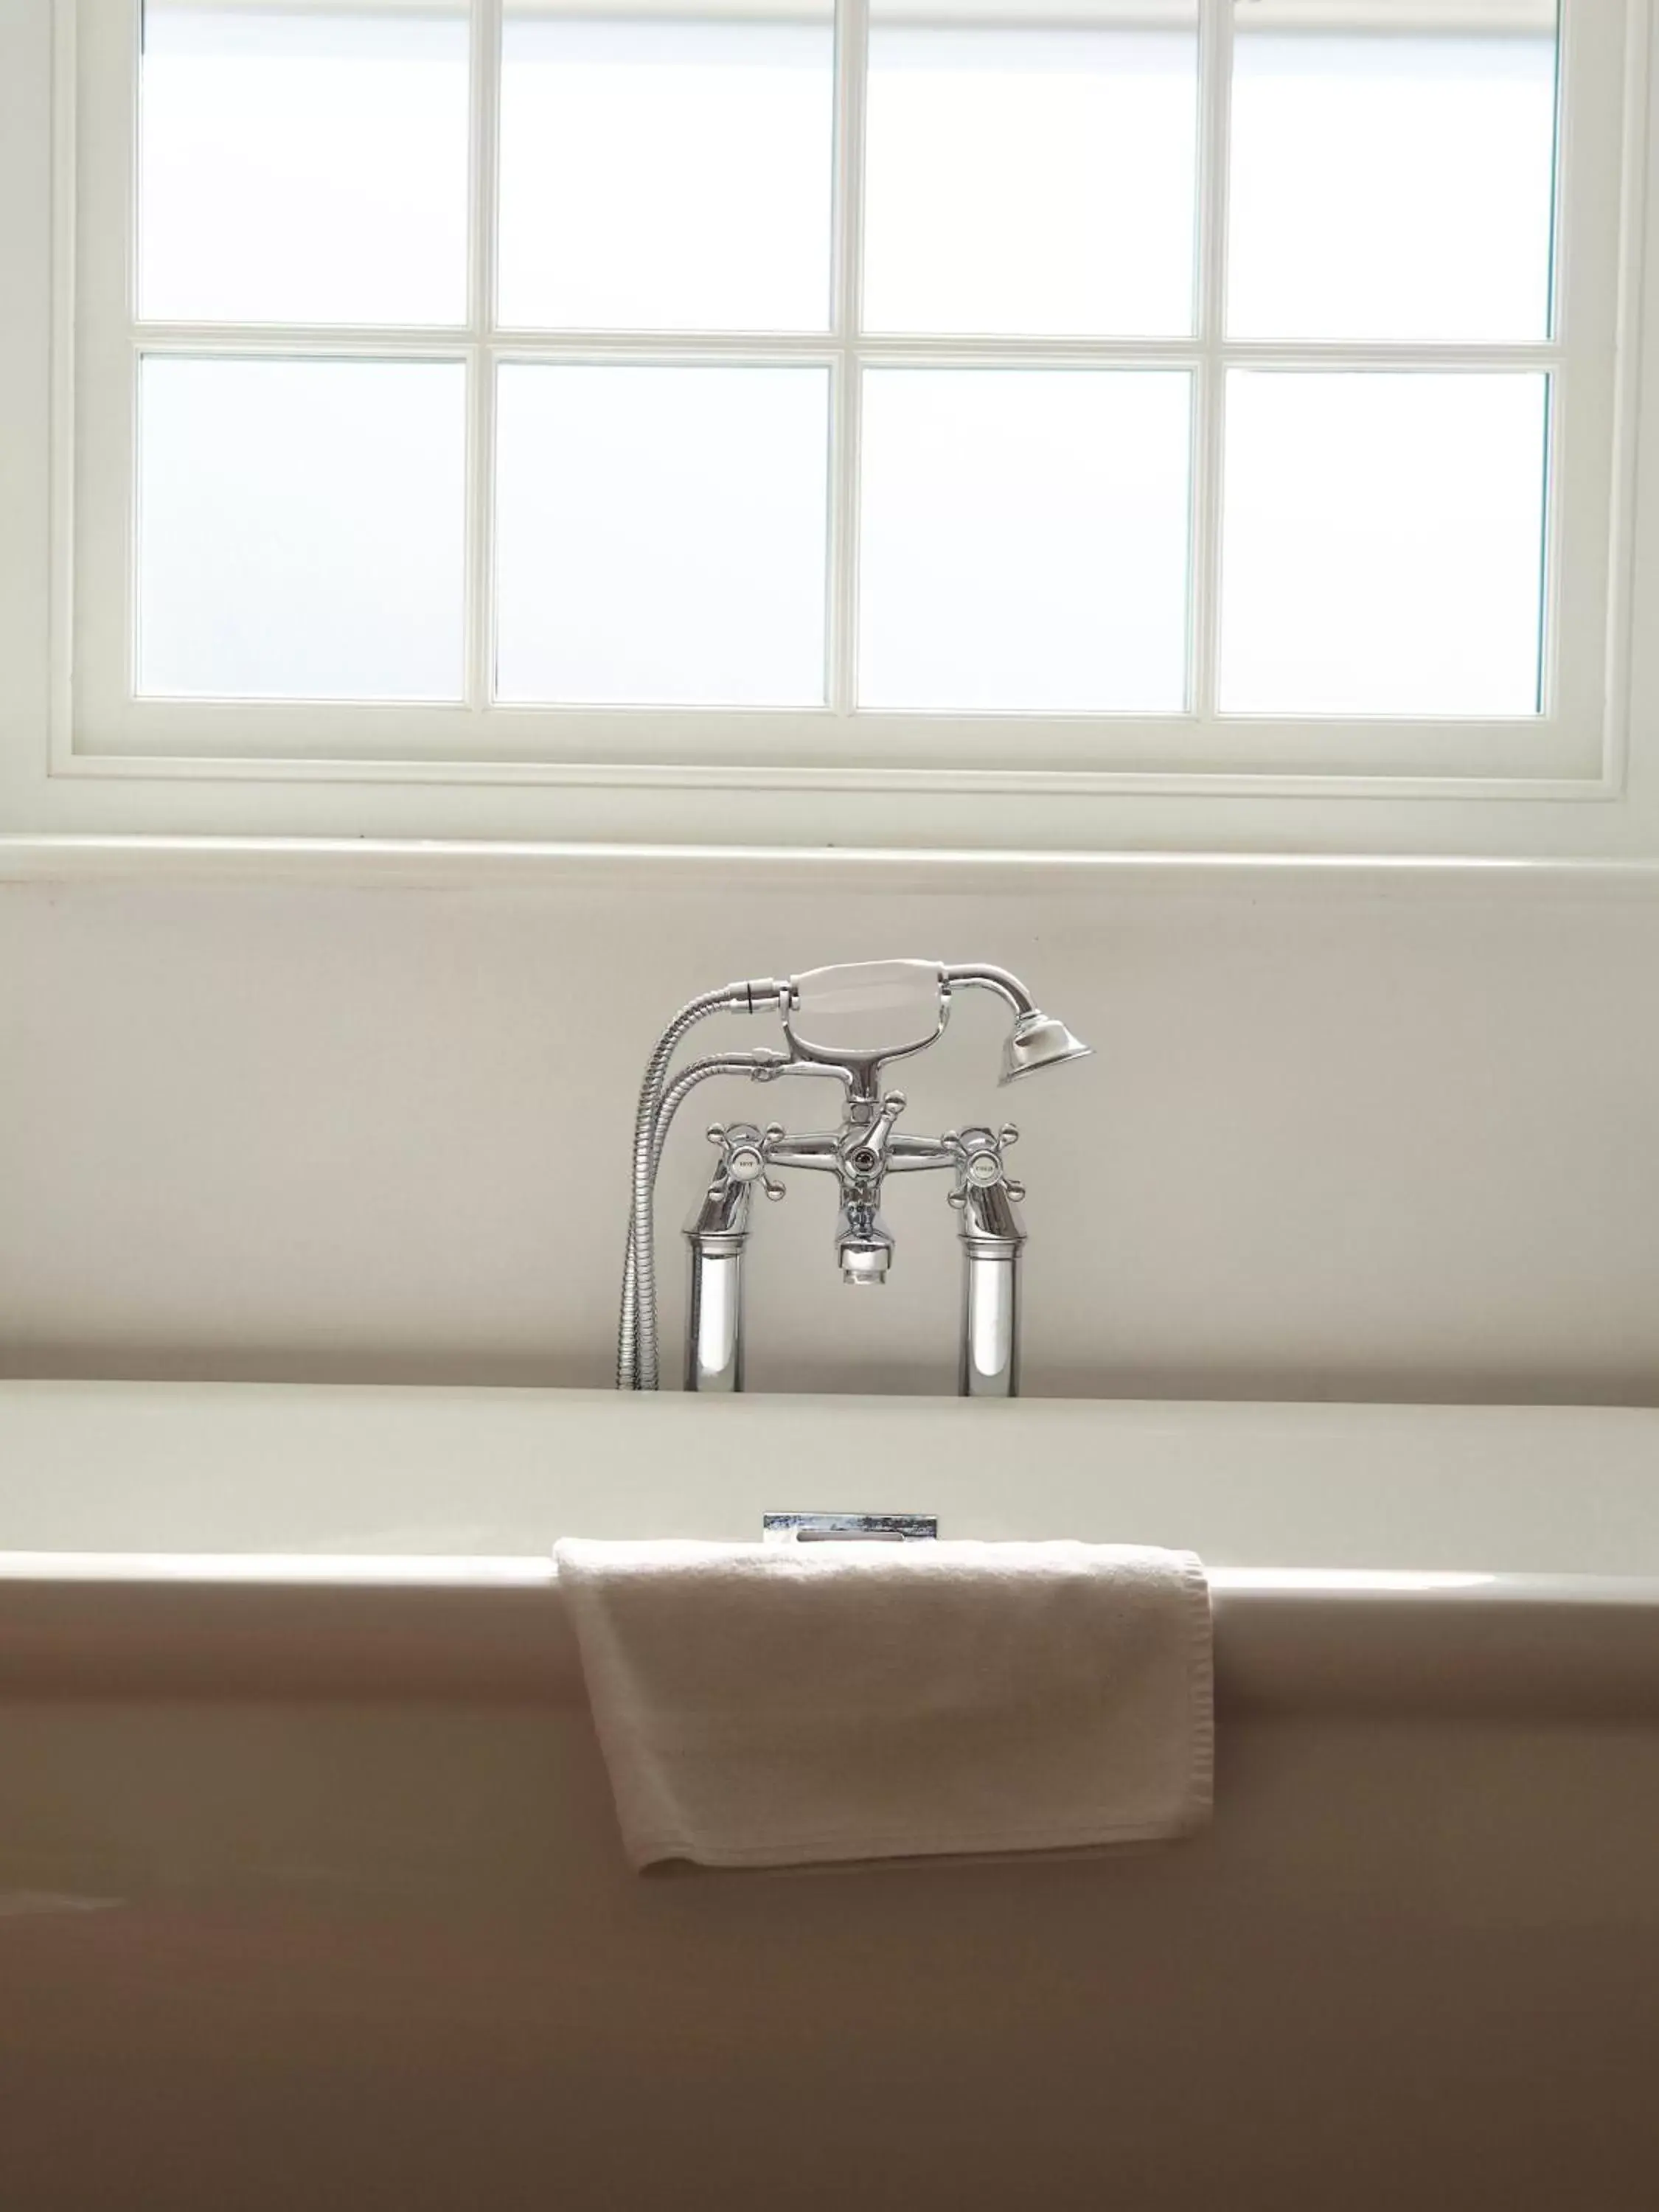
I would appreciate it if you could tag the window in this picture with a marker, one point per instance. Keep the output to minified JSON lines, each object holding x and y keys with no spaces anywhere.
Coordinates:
{"x":945,"y":395}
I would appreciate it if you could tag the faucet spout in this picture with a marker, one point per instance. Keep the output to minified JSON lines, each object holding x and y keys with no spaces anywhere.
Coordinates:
{"x":863,"y":1243}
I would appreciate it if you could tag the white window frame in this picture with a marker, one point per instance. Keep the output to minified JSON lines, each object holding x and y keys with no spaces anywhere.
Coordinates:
{"x":114,"y":763}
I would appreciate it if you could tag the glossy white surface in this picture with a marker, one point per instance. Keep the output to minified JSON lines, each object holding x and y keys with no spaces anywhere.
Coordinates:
{"x":140,"y":1468}
{"x":1399,"y":1560}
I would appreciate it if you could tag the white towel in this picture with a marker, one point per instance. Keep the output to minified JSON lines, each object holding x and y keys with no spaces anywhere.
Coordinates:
{"x":778,"y":1704}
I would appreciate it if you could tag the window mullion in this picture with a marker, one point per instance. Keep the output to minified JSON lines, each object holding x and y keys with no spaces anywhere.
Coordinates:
{"x":1215,"y":57}
{"x":485,"y":109}
{"x":851,"y":78}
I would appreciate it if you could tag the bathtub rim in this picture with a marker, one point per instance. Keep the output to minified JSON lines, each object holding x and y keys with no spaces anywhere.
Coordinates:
{"x":87,"y":1611}
{"x":371,"y":1470}
{"x":111,"y":1627}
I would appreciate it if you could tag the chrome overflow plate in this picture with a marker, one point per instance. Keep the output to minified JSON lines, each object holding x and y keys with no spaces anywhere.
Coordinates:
{"x":848,"y":1527}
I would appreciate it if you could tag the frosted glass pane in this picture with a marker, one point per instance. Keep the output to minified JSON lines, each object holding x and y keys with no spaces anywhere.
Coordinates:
{"x":306,"y":167}
{"x":301,"y":529}
{"x":1393,"y":184}
{"x":1024,"y":539}
{"x":667,"y":175}
{"x":661,"y":535}
{"x":1032,"y":181}
{"x":1383,"y":544}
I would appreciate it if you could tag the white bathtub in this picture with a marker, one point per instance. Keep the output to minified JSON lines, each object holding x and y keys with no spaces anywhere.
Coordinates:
{"x":309,"y":1893}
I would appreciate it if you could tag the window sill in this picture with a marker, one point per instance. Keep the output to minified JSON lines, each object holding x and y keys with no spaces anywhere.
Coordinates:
{"x":448,"y":864}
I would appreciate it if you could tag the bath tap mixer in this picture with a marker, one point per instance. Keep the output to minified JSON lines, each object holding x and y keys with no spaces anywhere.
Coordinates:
{"x":866,"y":1147}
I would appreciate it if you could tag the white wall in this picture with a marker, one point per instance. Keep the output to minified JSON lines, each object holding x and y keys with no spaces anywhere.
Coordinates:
{"x":1358,"y":1133}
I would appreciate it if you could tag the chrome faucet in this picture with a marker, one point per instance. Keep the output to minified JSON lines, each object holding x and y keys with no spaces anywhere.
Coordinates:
{"x":914,"y":997}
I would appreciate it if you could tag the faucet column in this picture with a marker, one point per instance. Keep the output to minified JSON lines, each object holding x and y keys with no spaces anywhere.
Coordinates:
{"x":992,"y":1234}
{"x":716,"y":1233}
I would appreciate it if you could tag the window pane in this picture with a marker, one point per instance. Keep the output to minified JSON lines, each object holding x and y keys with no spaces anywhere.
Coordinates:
{"x":301,"y":529}
{"x":661,"y":535}
{"x":306,"y":166}
{"x":1383,"y":544}
{"x":1024,"y":539}
{"x":1031,"y":180}
{"x":1390,"y":184}
{"x":670,"y":172}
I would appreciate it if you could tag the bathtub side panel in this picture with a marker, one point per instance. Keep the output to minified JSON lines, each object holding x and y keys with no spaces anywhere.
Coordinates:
{"x":387,"y":1954}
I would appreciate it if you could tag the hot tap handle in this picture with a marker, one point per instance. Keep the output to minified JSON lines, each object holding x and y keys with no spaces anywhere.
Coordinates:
{"x":741,"y":1148}
{"x":745,"y":1153}
{"x":980,"y":1162}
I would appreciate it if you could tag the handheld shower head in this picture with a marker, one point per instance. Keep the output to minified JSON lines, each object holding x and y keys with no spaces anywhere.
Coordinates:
{"x":1037,"y":1040}
{"x":906,"y":1004}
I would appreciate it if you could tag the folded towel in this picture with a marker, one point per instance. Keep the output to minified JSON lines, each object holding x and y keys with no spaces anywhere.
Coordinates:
{"x":777,"y":1705}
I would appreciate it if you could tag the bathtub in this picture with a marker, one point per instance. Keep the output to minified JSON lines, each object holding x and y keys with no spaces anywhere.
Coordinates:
{"x":310,"y":1894}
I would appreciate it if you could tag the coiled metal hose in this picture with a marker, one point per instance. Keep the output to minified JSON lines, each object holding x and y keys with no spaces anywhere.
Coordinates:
{"x":636,"y":1332}
{"x":699,"y":1071}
